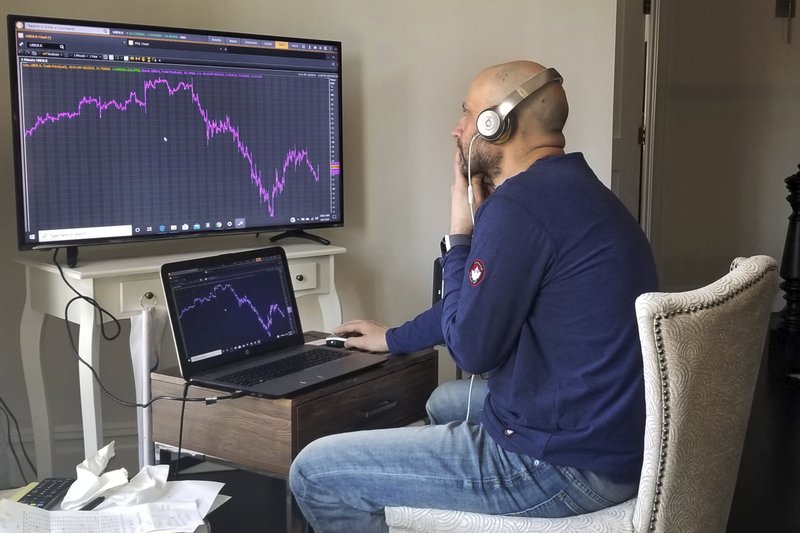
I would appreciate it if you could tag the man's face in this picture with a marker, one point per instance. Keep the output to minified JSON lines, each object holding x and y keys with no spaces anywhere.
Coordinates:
{"x":486,"y":158}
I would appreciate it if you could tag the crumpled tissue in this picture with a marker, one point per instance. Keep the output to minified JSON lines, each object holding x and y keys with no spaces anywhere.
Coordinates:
{"x":91,"y":482}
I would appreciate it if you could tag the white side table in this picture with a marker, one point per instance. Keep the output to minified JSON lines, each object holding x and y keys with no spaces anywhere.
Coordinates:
{"x":118,"y":286}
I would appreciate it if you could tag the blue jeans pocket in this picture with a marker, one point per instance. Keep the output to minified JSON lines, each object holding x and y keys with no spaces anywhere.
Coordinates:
{"x":558,"y":506}
{"x":573,"y":493}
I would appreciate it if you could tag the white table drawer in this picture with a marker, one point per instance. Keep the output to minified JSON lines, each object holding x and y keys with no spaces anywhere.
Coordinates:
{"x":304,"y":275}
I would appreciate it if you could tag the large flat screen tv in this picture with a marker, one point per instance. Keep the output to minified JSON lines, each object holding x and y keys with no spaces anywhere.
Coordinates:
{"x":125,"y":132}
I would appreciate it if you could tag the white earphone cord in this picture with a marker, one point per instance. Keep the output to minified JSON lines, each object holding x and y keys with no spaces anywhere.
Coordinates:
{"x":470,"y":194}
{"x":471,"y":202}
{"x":469,"y":397}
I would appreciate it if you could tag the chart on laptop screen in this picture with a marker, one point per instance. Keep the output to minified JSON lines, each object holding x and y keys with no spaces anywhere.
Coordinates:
{"x":246,"y":304}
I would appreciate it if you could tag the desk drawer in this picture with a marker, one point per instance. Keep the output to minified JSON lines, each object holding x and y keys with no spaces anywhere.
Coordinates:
{"x":131,"y":294}
{"x":396,"y":399}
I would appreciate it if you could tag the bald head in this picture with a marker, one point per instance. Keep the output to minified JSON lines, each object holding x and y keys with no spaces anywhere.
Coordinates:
{"x":537,"y":123}
{"x":544,"y":113}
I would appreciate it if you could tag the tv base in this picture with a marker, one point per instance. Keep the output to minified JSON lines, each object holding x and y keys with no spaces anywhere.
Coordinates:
{"x":300,"y":234}
{"x":72,"y":256}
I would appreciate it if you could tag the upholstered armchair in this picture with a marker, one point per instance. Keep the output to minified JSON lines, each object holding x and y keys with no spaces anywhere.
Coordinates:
{"x":701,"y":351}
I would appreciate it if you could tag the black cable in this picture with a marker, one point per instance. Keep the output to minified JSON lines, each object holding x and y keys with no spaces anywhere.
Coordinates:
{"x":10,"y":413}
{"x":91,"y":301}
{"x":101,"y":311}
{"x":158,"y":362}
{"x":11,"y":446}
{"x":180,"y":431}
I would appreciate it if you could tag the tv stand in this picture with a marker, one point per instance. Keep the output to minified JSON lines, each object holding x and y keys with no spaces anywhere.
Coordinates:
{"x":119,"y":285}
{"x":300,"y":234}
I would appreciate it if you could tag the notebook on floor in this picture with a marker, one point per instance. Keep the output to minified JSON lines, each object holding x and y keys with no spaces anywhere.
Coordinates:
{"x":234,"y":318}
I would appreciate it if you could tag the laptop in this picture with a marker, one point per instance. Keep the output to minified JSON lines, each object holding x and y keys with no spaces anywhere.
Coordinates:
{"x":234,"y":316}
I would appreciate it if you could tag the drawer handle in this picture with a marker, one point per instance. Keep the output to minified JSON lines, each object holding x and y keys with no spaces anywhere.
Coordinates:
{"x":299,"y":277}
{"x":385,"y":405}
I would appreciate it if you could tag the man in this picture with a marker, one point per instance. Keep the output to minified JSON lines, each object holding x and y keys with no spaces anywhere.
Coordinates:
{"x":539,"y":295}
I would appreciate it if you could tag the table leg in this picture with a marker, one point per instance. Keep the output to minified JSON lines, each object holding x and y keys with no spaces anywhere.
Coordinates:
{"x":89,"y":350}
{"x":331,"y":309}
{"x":329,"y":304}
{"x":30,"y":347}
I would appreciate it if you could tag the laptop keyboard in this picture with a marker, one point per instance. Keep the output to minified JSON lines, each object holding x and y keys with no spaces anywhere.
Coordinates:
{"x":276,"y":369}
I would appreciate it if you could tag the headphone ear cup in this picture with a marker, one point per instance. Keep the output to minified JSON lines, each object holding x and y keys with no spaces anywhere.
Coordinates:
{"x":489,"y":124}
{"x":492,"y":128}
{"x":505,"y":132}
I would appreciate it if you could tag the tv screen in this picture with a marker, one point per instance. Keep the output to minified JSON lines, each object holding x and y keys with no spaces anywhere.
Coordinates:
{"x":125,"y":132}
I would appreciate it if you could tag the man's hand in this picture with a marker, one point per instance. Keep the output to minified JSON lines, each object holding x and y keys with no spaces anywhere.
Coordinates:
{"x":460,"y":212}
{"x":372,"y":335}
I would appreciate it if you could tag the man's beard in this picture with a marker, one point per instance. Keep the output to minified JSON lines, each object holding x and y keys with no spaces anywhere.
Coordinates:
{"x":485,"y":161}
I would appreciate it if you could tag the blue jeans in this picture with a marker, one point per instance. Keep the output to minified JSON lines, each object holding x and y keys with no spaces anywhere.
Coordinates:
{"x":343,"y":482}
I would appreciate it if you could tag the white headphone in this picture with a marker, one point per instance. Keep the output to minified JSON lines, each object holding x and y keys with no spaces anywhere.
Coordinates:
{"x":494,"y":124}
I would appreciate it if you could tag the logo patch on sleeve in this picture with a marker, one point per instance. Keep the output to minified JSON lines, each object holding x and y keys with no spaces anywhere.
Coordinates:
{"x":476,"y":272}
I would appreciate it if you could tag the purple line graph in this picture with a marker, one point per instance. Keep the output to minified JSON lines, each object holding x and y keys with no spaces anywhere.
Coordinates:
{"x":265,"y":320}
{"x":295,"y":158}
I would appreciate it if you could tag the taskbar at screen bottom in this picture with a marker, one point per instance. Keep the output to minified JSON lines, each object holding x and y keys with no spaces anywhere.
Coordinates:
{"x":124,"y":231}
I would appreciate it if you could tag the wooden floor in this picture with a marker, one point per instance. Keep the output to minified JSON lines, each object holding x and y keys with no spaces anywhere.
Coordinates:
{"x":767,"y":497}
{"x":257,"y":503}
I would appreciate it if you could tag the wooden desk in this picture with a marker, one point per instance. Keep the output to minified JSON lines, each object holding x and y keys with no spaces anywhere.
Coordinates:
{"x":118,"y":286}
{"x":264,"y":435}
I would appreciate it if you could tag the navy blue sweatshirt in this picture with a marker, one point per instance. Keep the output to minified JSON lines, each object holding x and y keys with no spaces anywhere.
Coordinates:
{"x":543,"y":300}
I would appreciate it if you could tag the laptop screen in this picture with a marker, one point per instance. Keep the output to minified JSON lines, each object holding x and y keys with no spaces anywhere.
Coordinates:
{"x":231,"y":307}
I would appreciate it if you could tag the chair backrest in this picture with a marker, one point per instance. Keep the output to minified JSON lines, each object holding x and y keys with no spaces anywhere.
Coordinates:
{"x":701,"y":352}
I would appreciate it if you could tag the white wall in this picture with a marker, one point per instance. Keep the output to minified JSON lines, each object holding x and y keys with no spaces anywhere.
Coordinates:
{"x":731,"y":123}
{"x":406,"y":67}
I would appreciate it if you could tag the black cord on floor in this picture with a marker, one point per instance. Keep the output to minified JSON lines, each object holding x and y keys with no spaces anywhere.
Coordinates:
{"x":8,"y":413}
{"x":13,"y":451}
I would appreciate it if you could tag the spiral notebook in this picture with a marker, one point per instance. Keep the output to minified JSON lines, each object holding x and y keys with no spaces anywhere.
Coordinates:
{"x":236,"y":326}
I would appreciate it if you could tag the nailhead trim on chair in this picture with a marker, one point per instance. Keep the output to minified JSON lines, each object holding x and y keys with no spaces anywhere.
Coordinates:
{"x":662,"y":359}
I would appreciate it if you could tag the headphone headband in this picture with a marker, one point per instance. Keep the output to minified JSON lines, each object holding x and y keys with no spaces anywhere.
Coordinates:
{"x":494,"y":123}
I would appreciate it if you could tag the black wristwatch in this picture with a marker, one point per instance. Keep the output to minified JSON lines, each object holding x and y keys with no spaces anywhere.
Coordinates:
{"x":448,"y":241}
